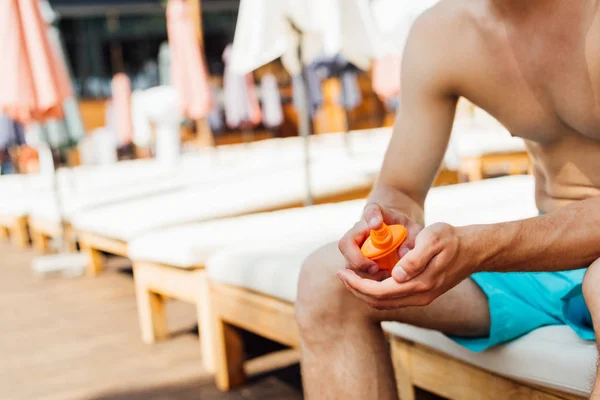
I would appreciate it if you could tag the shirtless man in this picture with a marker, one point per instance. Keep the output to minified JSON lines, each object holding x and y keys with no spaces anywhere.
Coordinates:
{"x":535,"y":66}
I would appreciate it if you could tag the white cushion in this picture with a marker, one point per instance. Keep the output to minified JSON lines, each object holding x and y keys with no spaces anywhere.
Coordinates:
{"x":482,"y":202}
{"x":439,"y":203}
{"x":88,"y":187}
{"x":271,"y":271}
{"x":254,"y":194}
{"x":476,"y":141}
{"x":552,"y":356}
{"x":190,"y":245}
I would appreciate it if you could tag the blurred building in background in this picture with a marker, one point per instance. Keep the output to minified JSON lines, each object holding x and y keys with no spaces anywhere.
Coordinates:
{"x":104,"y":37}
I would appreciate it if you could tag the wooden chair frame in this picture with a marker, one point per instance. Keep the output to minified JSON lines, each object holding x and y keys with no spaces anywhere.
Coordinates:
{"x":42,"y":231}
{"x":478,"y":168}
{"x":415,"y":365}
{"x":154,"y":283}
{"x":17,"y":230}
{"x":95,"y":244}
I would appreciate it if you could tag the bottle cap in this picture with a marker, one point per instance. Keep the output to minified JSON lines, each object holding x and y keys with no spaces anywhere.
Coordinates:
{"x":384,"y":241}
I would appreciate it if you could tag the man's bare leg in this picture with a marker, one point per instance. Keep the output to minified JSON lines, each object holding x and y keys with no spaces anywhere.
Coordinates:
{"x":344,"y":351}
{"x":591,"y":293}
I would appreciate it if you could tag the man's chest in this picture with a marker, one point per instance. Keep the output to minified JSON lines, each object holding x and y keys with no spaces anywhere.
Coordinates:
{"x":542,"y":88}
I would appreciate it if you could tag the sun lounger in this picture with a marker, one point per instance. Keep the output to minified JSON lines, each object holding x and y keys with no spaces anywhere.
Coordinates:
{"x":254,"y":287}
{"x":487,"y":149}
{"x":110,"y":228}
{"x":170,"y":261}
{"x":115,"y":183}
{"x":16,"y":195}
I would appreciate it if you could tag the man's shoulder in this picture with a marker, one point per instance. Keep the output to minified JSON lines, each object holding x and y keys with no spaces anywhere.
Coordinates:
{"x":454,"y":20}
{"x":451,"y":41}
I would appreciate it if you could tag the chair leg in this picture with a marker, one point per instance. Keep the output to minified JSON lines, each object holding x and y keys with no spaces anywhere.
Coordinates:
{"x":4,"y":232}
{"x":41,"y":242}
{"x":400,"y":358}
{"x":151,"y":312}
{"x":70,"y":240}
{"x":205,"y":321}
{"x":19,"y":233}
{"x":229,"y":356}
{"x":473,"y":169}
{"x":96,"y":260}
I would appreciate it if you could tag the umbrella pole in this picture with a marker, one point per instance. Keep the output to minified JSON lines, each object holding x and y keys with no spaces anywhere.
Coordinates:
{"x":55,"y":188}
{"x":304,"y":126}
{"x":347,"y":116}
{"x":304,"y":123}
{"x":204,"y":135}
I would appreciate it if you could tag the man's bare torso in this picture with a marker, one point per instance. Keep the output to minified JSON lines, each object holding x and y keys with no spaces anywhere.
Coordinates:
{"x":535,"y":66}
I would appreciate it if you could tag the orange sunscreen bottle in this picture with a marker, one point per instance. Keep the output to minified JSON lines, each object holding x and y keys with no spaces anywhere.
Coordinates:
{"x":382,"y":245}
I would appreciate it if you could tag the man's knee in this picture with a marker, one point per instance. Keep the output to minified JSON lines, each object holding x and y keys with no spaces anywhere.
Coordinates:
{"x":591,"y":286}
{"x":321,"y":295}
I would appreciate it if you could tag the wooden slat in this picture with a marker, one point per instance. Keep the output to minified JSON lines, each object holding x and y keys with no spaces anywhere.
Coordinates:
{"x":477,"y":168}
{"x":168,"y":281}
{"x":19,"y":233}
{"x":454,"y":379}
{"x":43,"y":230}
{"x":263,"y":315}
{"x":46,"y":227}
{"x":41,"y":242}
{"x":229,"y":356}
{"x":401,"y":361}
{"x":4,"y":232}
{"x":108,"y":245}
{"x":188,"y":285}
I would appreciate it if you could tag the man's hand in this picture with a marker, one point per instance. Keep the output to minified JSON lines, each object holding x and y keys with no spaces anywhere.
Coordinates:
{"x":438,"y":261}
{"x":373,"y":217}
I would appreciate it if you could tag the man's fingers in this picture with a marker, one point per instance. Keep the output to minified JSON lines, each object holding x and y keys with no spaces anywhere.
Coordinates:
{"x":349,"y":246}
{"x":387,"y":294}
{"x":373,"y":215}
{"x":373,"y":290}
{"x":416,"y":260}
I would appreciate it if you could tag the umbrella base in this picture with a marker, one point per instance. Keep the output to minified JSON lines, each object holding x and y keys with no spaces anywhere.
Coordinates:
{"x":64,"y":264}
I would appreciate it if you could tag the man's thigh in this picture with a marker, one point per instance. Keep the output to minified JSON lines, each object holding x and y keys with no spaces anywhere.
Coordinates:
{"x":462,"y":311}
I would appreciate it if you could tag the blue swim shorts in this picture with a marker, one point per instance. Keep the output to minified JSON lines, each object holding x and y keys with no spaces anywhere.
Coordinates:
{"x":520,"y":302}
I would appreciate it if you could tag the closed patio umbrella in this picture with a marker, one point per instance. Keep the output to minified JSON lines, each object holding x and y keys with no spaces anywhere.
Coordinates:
{"x":121,"y":103}
{"x":34,"y":84}
{"x":189,"y":73}
{"x":301,"y":31}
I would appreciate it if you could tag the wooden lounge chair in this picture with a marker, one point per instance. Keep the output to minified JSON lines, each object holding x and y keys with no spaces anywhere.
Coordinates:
{"x":144,"y":178}
{"x":485,"y":149}
{"x":17,"y":194}
{"x":253,"y":287}
{"x":549,"y":363}
{"x":170,"y":261}
{"x":109,"y":229}
{"x":15,"y":227}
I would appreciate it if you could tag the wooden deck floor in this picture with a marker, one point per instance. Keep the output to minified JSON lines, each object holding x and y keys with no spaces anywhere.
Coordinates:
{"x":78,"y":338}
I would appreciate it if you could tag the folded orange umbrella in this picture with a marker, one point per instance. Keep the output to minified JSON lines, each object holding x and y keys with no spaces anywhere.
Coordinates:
{"x":121,"y":101}
{"x":188,"y":67}
{"x":33,"y":83}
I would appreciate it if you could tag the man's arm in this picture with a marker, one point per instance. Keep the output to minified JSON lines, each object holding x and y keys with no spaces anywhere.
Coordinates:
{"x":423,"y":124}
{"x":419,"y":141}
{"x":566,"y":239}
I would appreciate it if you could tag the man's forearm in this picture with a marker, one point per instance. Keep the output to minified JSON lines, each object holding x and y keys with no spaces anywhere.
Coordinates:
{"x":563,"y":240}
{"x":391,"y":198}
